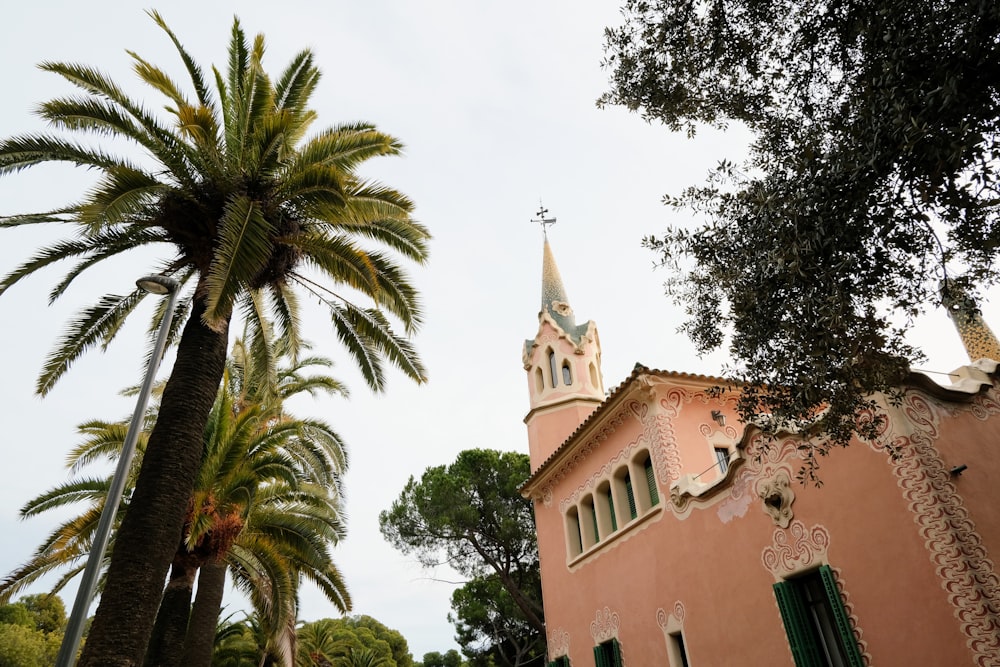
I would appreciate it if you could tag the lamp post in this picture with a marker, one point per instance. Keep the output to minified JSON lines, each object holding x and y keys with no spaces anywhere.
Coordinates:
{"x":160,"y":285}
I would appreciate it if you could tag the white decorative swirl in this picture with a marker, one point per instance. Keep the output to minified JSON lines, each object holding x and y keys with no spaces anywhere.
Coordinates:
{"x":806,"y":548}
{"x":605,"y":625}
{"x":558,"y":643}
{"x":956,"y":549}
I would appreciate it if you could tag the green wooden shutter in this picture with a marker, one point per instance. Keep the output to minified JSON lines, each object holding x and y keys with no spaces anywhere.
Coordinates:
{"x":611,"y":507}
{"x":847,"y":639}
{"x":616,"y":653}
{"x":631,"y":496}
{"x":654,"y":496}
{"x":599,"y":659}
{"x":797,"y":627}
{"x":597,"y":533}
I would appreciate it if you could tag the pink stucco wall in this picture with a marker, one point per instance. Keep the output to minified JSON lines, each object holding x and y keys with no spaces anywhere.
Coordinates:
{"x":903,"y":535}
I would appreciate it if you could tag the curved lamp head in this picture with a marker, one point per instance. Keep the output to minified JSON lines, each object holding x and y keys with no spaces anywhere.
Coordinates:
{"x":157,"y":284}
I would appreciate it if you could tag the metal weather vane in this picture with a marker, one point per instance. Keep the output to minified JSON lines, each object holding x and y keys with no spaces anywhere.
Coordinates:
{"x":542,"y":219}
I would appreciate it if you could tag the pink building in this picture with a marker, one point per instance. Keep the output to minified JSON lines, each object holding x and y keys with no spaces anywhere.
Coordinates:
{"x":665,"y":539}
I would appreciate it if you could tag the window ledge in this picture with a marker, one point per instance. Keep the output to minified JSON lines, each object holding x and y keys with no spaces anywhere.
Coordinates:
{"x":616,"y":536}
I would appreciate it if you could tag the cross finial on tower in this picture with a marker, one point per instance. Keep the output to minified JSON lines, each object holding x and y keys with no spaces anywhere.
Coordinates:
{"x":542,"y":219}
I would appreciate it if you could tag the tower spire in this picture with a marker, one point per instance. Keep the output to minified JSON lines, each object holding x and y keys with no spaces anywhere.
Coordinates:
{"x":562,"y":361}
{"x":554,"y":299}
{"x":979,"y":340}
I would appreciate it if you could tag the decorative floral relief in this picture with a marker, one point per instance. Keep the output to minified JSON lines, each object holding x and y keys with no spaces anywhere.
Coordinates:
{"x":605,"y":625}
{"x":558,"y":643}
{"x":806,"y":549}
{"x":967,"y":573}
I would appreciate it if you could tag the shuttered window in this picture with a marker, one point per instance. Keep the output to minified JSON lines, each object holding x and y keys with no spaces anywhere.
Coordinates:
{"x":815,"y":621}
{"x":631,"y":496}
{"x":654,"y":496}
{"x":611,"y":508}
{"x":608,"y":654}
{"x":561,"y":661}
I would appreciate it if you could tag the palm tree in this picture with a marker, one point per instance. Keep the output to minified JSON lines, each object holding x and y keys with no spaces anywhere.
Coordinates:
{"x":245,"y":201}
{"x":236,"y":644}
{"x":266,"y":505}
{"x":266,"y":508}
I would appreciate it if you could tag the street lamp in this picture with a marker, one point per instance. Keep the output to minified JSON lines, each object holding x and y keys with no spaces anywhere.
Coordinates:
{"x":160,"y":285}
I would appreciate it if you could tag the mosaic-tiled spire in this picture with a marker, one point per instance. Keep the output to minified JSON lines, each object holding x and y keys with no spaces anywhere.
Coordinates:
{"x":554,"y":299}
{"x":979,"y":340}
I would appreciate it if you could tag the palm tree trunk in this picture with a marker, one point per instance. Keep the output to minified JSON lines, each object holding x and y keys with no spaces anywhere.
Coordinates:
{"x":200,"y":639}
{"x":167,"y":642}
{"x":147,"y":540}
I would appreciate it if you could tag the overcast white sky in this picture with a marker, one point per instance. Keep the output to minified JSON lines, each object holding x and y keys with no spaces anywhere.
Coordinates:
{"x":495,"y":103}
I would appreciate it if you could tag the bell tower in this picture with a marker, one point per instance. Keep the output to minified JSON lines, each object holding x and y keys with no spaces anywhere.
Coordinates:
{"x":562,"y":362}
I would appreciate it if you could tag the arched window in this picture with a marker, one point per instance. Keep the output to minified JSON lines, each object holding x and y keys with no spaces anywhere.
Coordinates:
{"x":552,"y":368}
{"x":539,"y":380}
{"x":567,"y":375}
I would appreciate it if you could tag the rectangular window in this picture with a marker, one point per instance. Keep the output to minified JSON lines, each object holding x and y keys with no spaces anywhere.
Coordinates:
{"x":608,"y":654}
{"x":678,"y":654}
{"x":815,"y":621}
{"x":561,"y":661}
{"x":722,"y":459}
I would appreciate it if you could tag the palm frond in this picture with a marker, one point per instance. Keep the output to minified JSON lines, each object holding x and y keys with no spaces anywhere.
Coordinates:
{"x":94,"y":489}
{"x":371,"y":326}
{"x":194,"y":71}
{"x":245,"y":243}
{"x":102,"y":441}
{"x":344,"y":147}
{"x":284,"y":311}
{"x":107,"y":243}
{"x":150,"y":133}
{"x":21,"y":152}
{"x":297,"y":83}
{"x":57,"y":216}
{"x":158,"y":79}
{"x":91,"y":326}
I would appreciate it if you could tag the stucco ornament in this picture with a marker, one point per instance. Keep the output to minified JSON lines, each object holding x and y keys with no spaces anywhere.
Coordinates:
{"x":798,"y":550}
{"x":777,"y":496}
{"x":558,"y":643}
{"x":672,"y":622}
{"x":605,"y":625}
{"x":562,"y":308}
